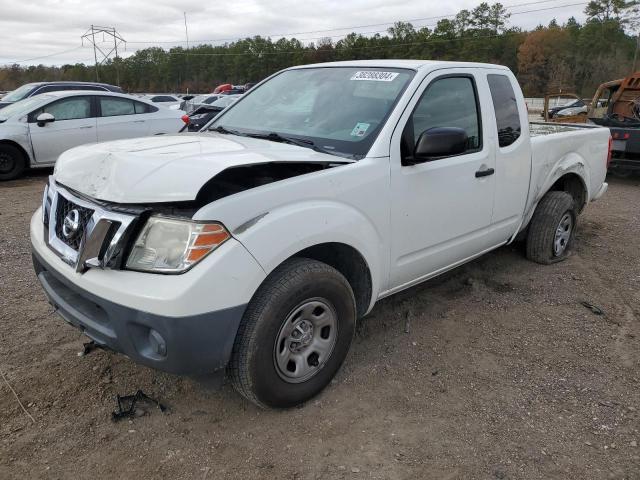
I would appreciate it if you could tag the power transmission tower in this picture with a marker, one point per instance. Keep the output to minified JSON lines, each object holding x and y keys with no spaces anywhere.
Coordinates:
{"x":111,"y":32}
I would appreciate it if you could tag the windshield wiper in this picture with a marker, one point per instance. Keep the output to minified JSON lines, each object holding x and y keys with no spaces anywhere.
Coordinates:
{"x":226,"y":131}
{"x":276,"y":137}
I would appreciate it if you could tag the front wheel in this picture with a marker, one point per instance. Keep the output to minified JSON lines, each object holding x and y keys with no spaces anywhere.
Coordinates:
{"x":12,"y":162}
{"x":552,"y":228}
{"x":294,"y":335}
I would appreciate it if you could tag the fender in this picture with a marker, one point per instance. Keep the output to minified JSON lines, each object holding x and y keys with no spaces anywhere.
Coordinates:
{"x":345,"y":204}
{"x":17,"y":134}
{"x":549,"y":174}
{"x":321,"y":222}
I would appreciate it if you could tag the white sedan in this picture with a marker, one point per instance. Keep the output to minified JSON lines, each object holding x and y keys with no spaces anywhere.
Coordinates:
{"x":35,"y":131}
{"x":167,"y":101}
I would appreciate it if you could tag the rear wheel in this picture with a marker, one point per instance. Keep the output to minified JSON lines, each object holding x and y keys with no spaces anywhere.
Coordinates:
{"x":294,"y":335}
{"x":12,"y":162}
{"x":552,"y":228}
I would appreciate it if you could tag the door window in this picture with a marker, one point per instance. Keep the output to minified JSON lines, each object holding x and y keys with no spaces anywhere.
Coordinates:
{"x":67,"y":109}
{"x":114,"y":106}
{"x":506,"y":108}
{"x":447,"y":102}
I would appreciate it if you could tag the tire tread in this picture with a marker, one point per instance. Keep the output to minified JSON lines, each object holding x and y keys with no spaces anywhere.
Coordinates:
{"x":290,"y":273}
{"x":543,"y":226}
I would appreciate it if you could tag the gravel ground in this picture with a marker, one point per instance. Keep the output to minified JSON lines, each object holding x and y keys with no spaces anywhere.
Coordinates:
{"x":495,"y":370}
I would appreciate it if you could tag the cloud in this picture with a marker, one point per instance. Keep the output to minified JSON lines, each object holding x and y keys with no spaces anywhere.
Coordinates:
{"x":31,"y":30}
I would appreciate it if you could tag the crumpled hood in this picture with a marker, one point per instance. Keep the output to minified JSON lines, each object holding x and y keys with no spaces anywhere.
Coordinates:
{"x":167,"y":168}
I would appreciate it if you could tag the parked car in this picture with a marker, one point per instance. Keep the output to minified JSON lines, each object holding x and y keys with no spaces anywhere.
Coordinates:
{"x":31,"y":89}
{"x":35,"y":131}
{"x":256,"y":245}
{"x":198,"y":101}
{"x":168,"y":101}
{"x":202,"y":115}
{"x":569,"y":109}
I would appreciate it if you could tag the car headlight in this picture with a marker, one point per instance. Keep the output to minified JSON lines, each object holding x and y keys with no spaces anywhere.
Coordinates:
{"x":169,"y":245}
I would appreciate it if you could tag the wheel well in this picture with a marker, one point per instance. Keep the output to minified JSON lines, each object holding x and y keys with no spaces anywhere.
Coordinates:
{"x":574,"y":186}
{"x":25,"y":156}
{"x":350,"y":263}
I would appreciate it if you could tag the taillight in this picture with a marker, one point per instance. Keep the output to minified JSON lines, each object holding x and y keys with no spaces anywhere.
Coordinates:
{"x":610,"y":151}
{"x":185,"y":119}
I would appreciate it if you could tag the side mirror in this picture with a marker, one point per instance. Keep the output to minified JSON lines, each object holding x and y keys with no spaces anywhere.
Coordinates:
{"x":439,"y":142}
{"x":45,"y":118}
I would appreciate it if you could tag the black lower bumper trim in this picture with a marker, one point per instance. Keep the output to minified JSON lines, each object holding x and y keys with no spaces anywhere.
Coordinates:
{"x":193,"y":345}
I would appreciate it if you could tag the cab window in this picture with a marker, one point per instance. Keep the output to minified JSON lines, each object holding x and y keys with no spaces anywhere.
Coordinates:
{"x":506,"y":108}
{"x":447,"y":102}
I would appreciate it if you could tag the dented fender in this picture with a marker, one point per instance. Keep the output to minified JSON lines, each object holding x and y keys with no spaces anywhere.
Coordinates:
{"x":347,"y":204}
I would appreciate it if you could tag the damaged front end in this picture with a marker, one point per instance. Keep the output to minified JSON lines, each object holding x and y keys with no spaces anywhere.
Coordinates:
{"x":89,"y":233}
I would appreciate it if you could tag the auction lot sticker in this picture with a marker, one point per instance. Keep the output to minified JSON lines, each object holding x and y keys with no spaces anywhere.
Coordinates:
{"x":375,"y":76}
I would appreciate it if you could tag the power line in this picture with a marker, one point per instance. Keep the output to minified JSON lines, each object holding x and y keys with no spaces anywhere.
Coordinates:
{"x":191,"y":53}
{"x":440,"y":17}
{"x":556,"y":7}
{"x":47,"y":56}
{"x":367,"y":47}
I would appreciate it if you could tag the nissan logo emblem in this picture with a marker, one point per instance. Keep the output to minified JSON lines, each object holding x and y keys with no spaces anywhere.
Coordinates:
{"x":71,"y":224}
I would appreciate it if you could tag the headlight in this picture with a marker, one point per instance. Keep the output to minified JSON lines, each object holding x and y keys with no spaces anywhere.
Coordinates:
{"x":168,"y":245}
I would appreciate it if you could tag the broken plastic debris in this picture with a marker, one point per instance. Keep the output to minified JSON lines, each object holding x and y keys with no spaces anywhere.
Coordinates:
{"x":127,"y":405}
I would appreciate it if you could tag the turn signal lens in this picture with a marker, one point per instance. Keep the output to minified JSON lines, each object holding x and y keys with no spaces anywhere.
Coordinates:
{"x":169,"y":245}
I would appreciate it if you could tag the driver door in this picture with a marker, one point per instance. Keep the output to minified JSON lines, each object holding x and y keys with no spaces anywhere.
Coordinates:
{"x":441,"y":208}
{"x":74,"y":124}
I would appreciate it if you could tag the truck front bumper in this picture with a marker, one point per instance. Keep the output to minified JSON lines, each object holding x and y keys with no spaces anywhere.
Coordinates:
{"x":182,"y":324}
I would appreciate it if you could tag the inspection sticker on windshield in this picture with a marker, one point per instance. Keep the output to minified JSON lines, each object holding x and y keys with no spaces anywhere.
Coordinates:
{"x":360,"y":129}
{"x":375,"y":76}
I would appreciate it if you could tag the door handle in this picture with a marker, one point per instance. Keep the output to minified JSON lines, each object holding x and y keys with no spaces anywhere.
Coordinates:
{"x":485,"y":173}
{"x":86,"y":126}
{"x":138,"y":121}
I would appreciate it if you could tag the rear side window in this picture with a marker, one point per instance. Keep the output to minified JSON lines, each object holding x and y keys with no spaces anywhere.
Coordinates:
{"x":114,"y":106}
{"x":506,"y":108}
{"x":143,"y":107}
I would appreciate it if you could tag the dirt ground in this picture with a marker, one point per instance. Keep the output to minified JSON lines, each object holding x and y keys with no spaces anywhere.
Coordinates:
{"x":503,"y":374}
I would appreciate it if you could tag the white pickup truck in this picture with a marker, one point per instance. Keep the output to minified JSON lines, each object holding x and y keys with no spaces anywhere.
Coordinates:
{"x":253,"y":246}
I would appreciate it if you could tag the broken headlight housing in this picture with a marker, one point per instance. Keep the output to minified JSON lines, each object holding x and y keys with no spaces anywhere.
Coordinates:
{"x":171,"y":245}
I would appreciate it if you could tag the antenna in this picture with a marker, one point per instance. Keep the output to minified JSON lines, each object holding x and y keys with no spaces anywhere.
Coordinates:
{"x":186,"y":34}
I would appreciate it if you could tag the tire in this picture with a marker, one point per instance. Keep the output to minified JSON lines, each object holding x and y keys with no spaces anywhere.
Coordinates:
{"x":12,"y":162}
{"x":299,"y":293}
{"x":546,"y":243}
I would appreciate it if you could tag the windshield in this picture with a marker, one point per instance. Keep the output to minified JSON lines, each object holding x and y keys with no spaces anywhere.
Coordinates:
{"x":224,"y":101}
{"x":19,"y":93}
{"x":22,"y":107}
{"x":338,"y":109}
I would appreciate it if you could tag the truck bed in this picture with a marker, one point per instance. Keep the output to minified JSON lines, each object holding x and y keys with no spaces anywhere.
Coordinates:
{"x":537,"y":129}
{"x":554,"y":145}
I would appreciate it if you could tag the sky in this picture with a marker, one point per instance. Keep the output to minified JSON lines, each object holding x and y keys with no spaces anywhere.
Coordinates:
{"x":49,"y":31}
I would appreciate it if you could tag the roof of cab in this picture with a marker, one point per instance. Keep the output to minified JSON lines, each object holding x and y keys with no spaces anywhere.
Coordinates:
{"x":411,"y":64}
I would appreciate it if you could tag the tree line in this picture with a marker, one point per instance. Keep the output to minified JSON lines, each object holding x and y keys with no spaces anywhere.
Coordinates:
{"x":571,"y":57}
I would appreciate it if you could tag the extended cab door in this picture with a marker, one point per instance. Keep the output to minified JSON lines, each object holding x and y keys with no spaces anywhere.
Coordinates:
{"x":121,"y":117}
{"x":513,"y":155}
{"x":74,"y":124}
{"x":441,"y":209}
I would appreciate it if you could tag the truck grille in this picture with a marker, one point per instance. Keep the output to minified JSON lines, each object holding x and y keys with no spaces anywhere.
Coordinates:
{"x":69,"y":219}
{"x":68,"y":235}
